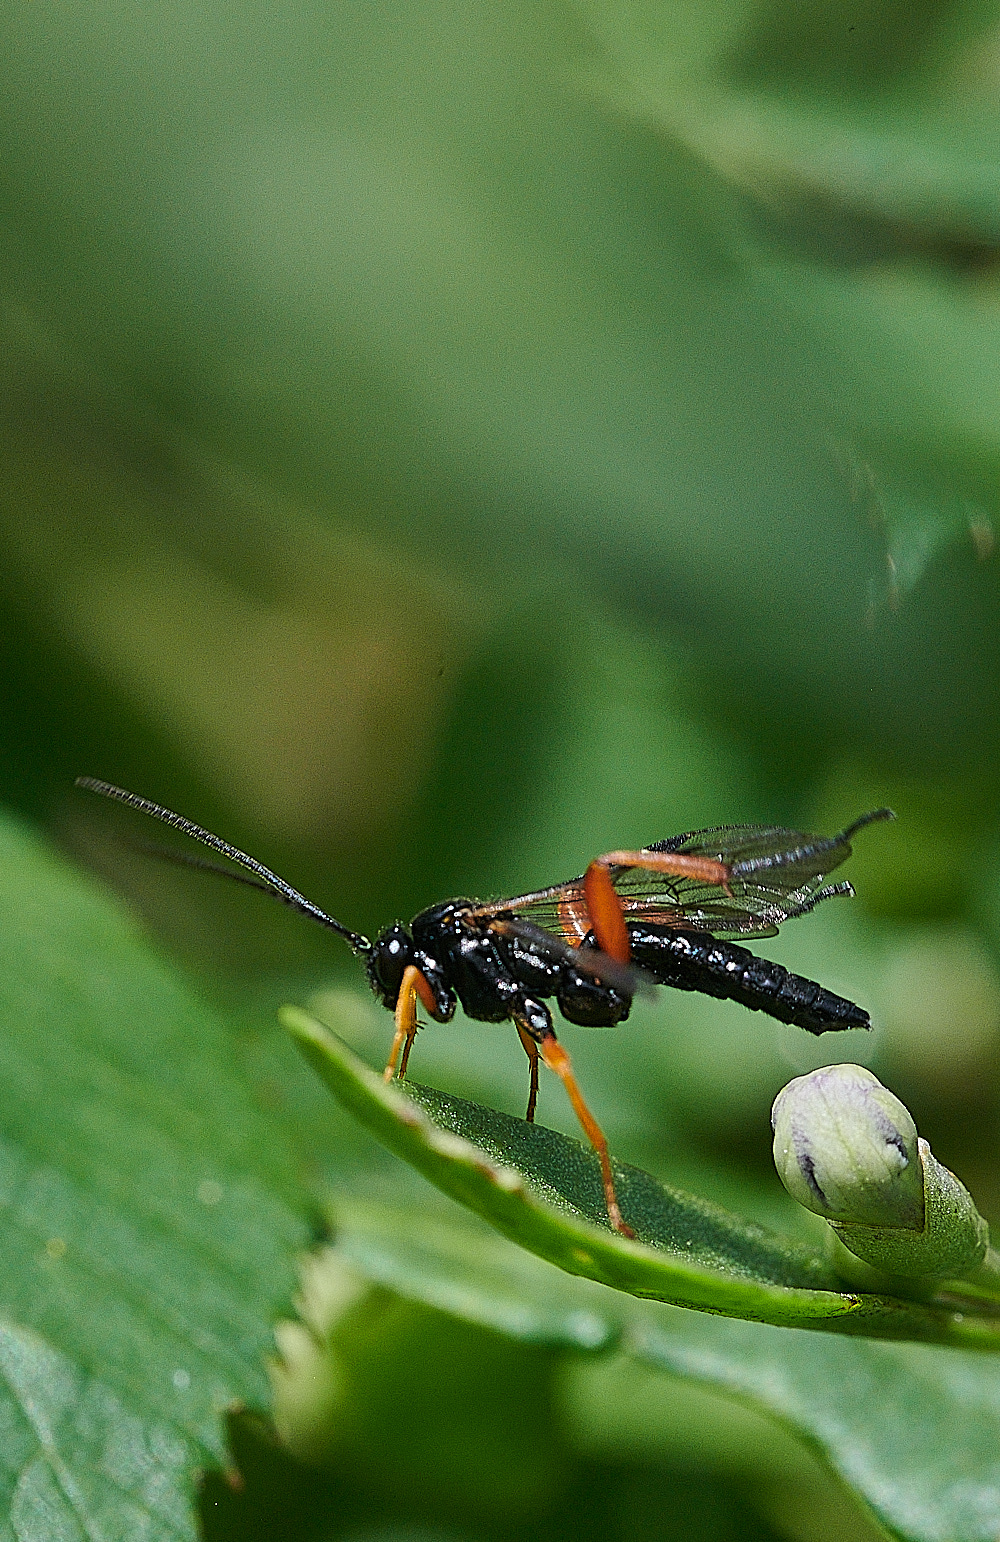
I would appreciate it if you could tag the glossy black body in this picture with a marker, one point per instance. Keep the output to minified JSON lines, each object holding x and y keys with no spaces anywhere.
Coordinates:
{"x":507,"y":972}
{"x":695,"y":961}
{"x":505,"y":960}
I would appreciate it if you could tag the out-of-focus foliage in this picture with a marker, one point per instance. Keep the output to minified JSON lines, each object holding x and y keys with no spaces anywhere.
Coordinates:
{"x":443,"y":441}
{"x":150,"y":1209}
{"x":894,"y":1418}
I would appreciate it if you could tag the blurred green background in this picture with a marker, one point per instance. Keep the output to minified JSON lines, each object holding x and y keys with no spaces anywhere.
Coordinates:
{"x":444,"y":441}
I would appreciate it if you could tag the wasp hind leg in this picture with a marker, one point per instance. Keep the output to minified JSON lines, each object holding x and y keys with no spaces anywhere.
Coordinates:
{"x":531,"y":1050}
{"x":558,"y":1060}
{"x":604,"y":905}
{"x":413,"y":984}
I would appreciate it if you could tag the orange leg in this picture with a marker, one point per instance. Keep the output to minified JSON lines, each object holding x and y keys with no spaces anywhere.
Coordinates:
{"x":604,"y":905}
{"x":413,"y":985}
{"x":557,"y":1060}
{"x":531,"y":1050}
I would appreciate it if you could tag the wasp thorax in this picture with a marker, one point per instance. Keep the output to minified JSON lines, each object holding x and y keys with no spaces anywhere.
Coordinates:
{"x":390,"y":954}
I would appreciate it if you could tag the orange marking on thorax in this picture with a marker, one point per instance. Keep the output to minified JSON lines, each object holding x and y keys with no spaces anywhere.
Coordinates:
{"x":574,"y":921}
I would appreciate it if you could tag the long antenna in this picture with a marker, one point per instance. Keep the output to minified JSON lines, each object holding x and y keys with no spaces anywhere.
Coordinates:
{"x":265,"y":879}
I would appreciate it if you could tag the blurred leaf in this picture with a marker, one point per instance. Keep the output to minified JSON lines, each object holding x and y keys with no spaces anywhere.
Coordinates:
{"x":886,"y":114}
{"x":449,"y":302}
{"x":459,"y":1266}
{"x":363,"y":1359}
{"x":862,"y":145}
{"x":149,"y":1221}
{"x":381,"y":1490}
{"x":544,"y":1190}
{"x":620,"y":1406}
{"x":473,"y":1396}
{"x":913,"y":1429}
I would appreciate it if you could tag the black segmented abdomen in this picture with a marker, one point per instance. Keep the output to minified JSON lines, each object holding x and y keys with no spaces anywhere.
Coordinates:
{"x":695,"y":961}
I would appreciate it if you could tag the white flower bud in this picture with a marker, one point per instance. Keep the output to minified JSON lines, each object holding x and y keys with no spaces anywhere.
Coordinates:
{"x":846,"y":1148}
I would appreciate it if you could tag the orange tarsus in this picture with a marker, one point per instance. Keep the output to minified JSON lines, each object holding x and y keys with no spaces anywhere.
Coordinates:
{"x":531,"y":1050}
{"x":413,"y":984}
{"x":604,"y":904}
{"x":557,"y":1060}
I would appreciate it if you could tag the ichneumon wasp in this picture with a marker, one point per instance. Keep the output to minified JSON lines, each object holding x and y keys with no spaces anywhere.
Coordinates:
{"x":665,"y":915}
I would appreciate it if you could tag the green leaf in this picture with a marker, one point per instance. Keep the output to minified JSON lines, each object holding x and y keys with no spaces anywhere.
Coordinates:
{"x":367,"y":1364}
{"x":544,"y":1191}
{"x":890,"y":142}
{"x":148,"y":1230}
{"x":912,"y":1428}
{"x":471,"y":1273}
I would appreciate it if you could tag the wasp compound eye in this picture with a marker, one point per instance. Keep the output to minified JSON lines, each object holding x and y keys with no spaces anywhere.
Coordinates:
{"x":391,"y":953}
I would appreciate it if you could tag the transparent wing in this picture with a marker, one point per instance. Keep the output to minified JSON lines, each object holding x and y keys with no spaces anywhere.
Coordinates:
{"x":775,"y":875}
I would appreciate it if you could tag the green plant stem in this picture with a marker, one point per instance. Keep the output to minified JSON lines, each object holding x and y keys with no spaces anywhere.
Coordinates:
{"x":982,"y":1285}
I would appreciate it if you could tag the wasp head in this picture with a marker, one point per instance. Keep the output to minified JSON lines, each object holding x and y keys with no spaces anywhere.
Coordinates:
{"x":391,"y":951}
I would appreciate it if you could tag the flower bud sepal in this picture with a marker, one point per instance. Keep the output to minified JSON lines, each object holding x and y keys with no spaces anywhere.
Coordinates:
{"x":859,"y":1276}
{"x":979,"y":1286}
{"x":951,"y":1245}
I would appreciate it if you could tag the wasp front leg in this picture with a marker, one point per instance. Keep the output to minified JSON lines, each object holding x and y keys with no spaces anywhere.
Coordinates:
{"x":604,"y":905}
{"x":414,"y":983}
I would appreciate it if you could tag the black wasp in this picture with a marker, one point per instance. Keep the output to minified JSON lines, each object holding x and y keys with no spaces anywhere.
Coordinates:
{"x":665,"y":915}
